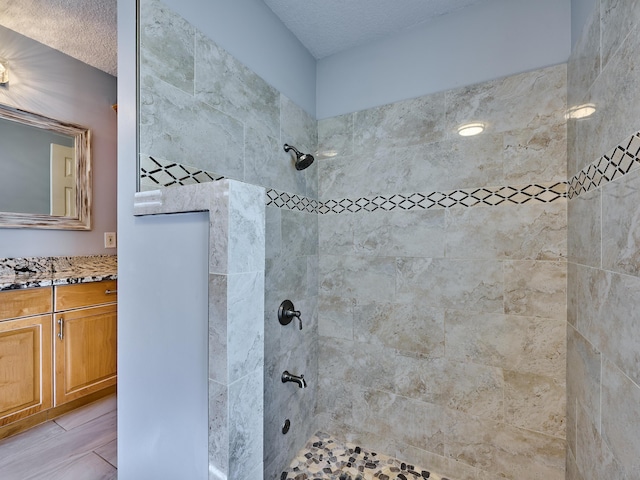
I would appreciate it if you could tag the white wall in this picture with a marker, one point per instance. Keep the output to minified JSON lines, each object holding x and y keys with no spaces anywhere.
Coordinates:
{"x":48,"y":82}
{"x":252,"y":33}
{"x":486,"y":41}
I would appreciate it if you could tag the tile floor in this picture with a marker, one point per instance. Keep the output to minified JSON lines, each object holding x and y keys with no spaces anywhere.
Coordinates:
{"x":80,"y":445}
{"x":325,"y":458}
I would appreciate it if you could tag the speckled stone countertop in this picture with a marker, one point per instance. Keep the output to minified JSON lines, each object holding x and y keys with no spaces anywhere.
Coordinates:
{"x":17,"y":273}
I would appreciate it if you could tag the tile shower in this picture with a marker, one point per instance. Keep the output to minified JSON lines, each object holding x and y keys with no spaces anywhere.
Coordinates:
{"x":431,"y":270}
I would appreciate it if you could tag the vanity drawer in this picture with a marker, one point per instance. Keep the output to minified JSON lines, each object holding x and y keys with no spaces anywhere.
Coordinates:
{"x":68,"y":297}
{"x":25,"y":302}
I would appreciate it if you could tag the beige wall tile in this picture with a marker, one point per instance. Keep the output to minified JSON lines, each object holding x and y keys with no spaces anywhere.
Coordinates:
{"x":534,"y":402}
{"x":621,"y":418}
{"x":535,"y":288}
{"x":522,"y":344}
{"x":527,"y":232}
{"x":621,"y":224}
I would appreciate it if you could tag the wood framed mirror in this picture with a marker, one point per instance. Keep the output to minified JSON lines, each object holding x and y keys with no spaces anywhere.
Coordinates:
{"x":45,"y":172}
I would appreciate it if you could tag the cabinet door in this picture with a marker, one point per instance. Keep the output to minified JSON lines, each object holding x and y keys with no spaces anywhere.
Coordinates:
{"x":25,"y":367}
{"x":85,"y":351}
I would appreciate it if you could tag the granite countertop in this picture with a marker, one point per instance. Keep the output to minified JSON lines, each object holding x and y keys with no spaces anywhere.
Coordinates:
{"x":17,"y":273}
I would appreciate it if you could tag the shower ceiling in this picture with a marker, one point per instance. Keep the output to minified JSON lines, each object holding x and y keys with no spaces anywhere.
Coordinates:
{"x":326,"y":27}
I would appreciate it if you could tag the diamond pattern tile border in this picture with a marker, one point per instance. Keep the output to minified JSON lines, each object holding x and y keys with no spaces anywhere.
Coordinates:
{"x":618,"y":162}
{"x":487,"y":196}
{"x":160,"y":173}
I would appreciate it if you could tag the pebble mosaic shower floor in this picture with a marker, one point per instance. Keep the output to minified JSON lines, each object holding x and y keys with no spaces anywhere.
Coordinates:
{"x":325,"y":458}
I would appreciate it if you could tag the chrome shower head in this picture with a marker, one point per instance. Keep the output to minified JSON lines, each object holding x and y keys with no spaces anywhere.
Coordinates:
{"x":303,"y":160}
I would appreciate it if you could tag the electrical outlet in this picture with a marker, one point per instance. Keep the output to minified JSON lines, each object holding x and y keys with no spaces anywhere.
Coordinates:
{"x":109,"y":239}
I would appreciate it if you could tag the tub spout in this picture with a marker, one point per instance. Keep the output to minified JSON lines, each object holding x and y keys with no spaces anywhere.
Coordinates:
{"x":289,"y":377}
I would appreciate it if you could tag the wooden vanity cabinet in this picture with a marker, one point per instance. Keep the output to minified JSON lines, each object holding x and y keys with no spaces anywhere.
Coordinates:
{"x":25,"y":353}
{"x":85,"y":339}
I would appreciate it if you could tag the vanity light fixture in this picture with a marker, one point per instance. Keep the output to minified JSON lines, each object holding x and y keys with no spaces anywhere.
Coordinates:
{"x":581,"y":111}
{"x":4,"y":72}
{"x":471,"y":129}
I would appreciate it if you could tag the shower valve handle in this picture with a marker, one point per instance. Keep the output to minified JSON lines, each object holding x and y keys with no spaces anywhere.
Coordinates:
{"x":286,"y":313}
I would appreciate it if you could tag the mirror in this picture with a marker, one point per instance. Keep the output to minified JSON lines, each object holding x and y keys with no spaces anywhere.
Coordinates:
{"x":45,"y":172}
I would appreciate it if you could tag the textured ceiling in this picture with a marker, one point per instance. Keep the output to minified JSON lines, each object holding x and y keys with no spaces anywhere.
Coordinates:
{"x":83,"y":29}
{"x":326,"y":27}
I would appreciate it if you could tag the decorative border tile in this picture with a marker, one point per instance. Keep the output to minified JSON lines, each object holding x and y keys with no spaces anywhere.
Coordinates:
{"x":487,"y":196}
{"x":290,"y":201}
{"x":157,"y":173}
{"x":619,"y":161}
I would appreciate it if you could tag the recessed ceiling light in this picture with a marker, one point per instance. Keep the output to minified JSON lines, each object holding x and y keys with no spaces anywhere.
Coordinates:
{"x":471,"y":129}
{"x":581,"y":111}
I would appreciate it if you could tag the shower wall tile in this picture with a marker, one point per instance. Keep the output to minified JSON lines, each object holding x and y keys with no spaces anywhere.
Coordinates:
{"x":572,"y":427}
{"x":594,"y":458}
{"x":218,"y":365}
{"x":399,"y":233}
{"x":411,"y":421}
{"x":535,"y":403}
{"x":535,"y":154}
{"x":521,"y":344}
{"x":227,"y":85}
{"x":176,"y":127}
{"x":476,"y":285}
{"x":535,"y":288}
{"x":286,"y":277}
{"x":617,"y":113}
{"x":572,"y":469}
{"x":463,"y":162}
{"x":336,"y":234}
{"x":530,"y":232}
{"x":585,"y":229}
{"x":613,"y":329}
{"x":512,"y":452}
{"x":409,"y":122}
{"x":335,"y":137}
{"x":620,"y":227}
{"x":267,"y":164}
{"x":167,"y":45}
{"x":245,"y":334}
{"x":440,"y":317}
{"x":347,"y":360}
{"x":465,"y":387}
{"x":448,"y":164}
{"x":531,"y":99}
{"x":584,"y":366}
{"x":273,"y":232}
{"x":246,"y":240}
{"x":621,"y":418}
{"x":246,"y":430}
{"x":618,"y":19}
{"x":218,"y":422}
{"x":408,"y":328}
{"x":298,"y":128}
{"x":335,"y":318}
{"x":361,"y":279}
{"x":299,"y":233}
